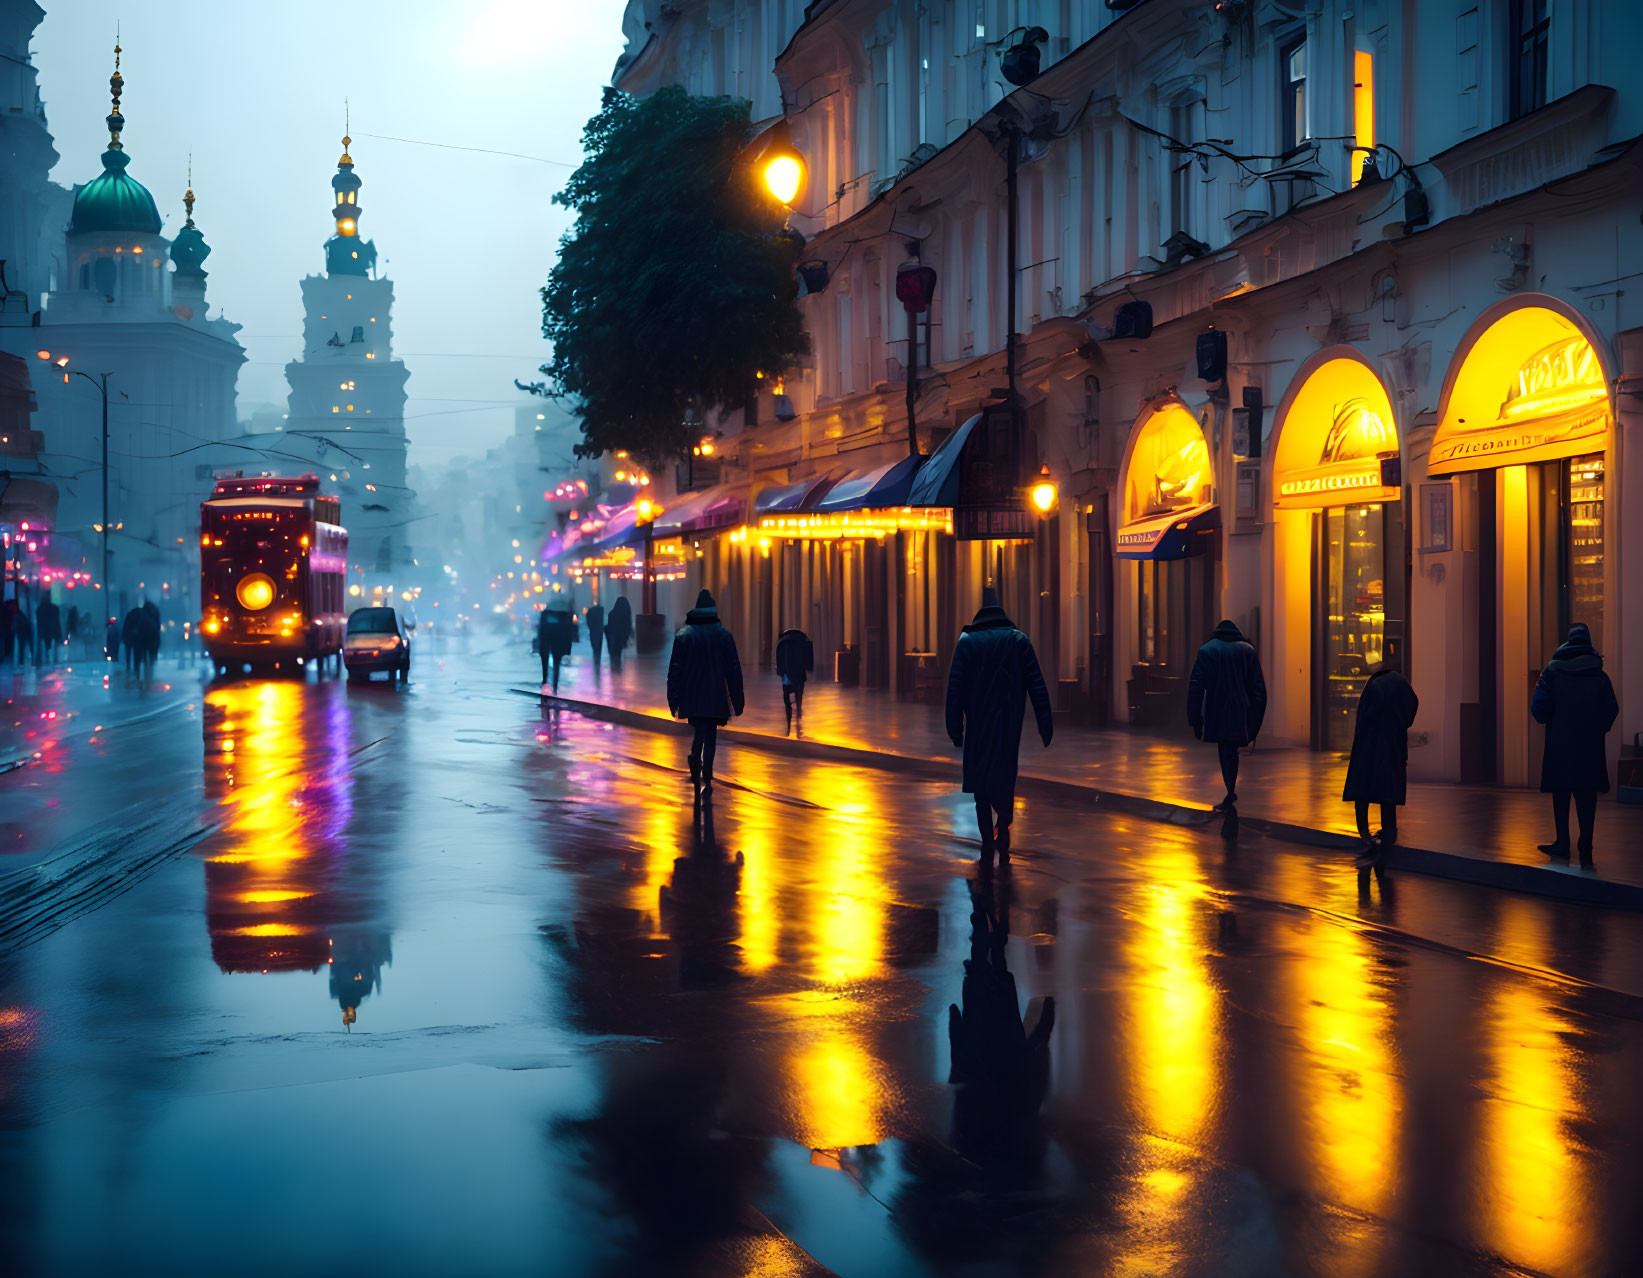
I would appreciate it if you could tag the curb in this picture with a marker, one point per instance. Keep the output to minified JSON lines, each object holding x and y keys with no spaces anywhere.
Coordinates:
{"x":1556,"y":882}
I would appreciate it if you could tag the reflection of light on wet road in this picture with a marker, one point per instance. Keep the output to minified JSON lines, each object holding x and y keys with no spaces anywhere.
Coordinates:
{"x":1534,"y":1179}
{"x":275,"y":758}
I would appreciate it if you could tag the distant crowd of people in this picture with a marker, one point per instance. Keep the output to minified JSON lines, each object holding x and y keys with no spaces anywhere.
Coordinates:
{"x":995,"y":675}
{"x":53,"y":635}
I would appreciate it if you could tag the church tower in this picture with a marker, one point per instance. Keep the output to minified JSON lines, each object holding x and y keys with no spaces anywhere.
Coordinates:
{"x":347,"y":403}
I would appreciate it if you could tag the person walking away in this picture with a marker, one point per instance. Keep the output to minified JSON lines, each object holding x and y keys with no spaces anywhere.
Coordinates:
{"x":152,"y":630}
{"x":555,"y":633}
{"x":994,"y":673}
{"x":111,"y":639}
{"x":1226,"y":700}
{"x":48,"y":629}
{"x":595,"y":615}
{"x":795,"y":659}
{"x":1575,"y":700}
{"x":704,"y":686}
{"x":1378,"y":769}
{"x":619,"y":630}
{"x":131,"y":634}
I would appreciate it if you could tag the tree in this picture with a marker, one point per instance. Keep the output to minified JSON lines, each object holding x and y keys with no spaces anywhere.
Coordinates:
{"x":675,"y":287}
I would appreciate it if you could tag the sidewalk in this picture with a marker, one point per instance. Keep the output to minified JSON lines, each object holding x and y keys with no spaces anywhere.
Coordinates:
{"x":1470,"y":833}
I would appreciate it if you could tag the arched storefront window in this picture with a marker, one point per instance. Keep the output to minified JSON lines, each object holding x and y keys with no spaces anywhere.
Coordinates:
{"x":1339,"y":575}
{"x":1523,"y":435}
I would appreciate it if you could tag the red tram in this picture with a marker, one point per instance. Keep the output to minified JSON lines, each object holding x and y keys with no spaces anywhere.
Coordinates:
{"x":273,"y":569}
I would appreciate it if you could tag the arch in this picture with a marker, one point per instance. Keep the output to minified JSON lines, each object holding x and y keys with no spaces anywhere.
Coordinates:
{"x":1335,"y":427}
{"x":1167,"y":463}
{"x":1529,"y":382}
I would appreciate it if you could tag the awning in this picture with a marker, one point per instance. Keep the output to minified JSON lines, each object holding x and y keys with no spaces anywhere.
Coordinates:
{"x":706,"y":512}
{"x":882,"y":488}
{"x":795,"y":497}
{"x":620,"y":529}
{"x":1178,"y":534}
{"x":936,"y":483}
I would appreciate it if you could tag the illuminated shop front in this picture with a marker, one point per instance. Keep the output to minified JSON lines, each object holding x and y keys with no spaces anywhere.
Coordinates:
{"x":1340,"y":581}
{"x":1521,"y":456}
{"x":1171,"y":532}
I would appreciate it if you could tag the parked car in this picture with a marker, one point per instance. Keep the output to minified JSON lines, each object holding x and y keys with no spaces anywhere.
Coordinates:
{"x":377,"y":639}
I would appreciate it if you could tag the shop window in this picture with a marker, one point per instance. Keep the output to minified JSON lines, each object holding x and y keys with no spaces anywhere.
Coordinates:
{"x":1292,"y":96}
{"x":1584,"y":544}
{"x":1531,"y":27}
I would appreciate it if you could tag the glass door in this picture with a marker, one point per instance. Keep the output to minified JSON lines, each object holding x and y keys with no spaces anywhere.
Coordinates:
{"x":1349,"y":618}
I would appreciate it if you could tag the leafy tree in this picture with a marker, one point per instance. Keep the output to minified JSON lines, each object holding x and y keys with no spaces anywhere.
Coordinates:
{"x":676,"y":284}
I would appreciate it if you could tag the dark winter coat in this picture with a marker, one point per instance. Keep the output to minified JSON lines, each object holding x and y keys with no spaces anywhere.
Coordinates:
{"x":1378,"y":771}
{"x":134,"y":630}
{"x":795,"y":657}
{"x":48,"y":622}
{"x":994,"y":672}
{"x":1226,"y":695}
{"x":596,"y":620}
{"x":151,"y":625}
{"x":704,"y":674}
{"x":619,"y":625}
{"x":1576,"y":702}
{"x":555,"y":632}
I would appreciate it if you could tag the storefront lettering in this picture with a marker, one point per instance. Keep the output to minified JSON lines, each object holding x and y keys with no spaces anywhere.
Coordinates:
{"x":1334,"y":482}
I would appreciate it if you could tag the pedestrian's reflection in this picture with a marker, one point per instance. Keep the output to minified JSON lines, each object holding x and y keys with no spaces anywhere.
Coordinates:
{"x":699,"y":908}
{"x":1001,"y":1063}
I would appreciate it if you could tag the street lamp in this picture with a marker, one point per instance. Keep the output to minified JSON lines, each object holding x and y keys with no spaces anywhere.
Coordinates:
{"x":101,"y":383}
{"x":1044,"y":491}
{"x":781,"y":166}
{"x":915,"y":290}
{"x":645,"y":511}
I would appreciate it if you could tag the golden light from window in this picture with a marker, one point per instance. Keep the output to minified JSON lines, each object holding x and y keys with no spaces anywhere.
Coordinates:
{"x":782,"y":176}
{"x":255,"y":591}
{"x":1168,"y":466}
{"x":1363,"y":111}
{"x":1332,"y":432}
{"x":345,"y":226}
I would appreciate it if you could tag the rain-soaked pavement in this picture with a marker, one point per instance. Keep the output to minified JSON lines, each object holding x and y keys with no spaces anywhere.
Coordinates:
{"x":317,"y":978}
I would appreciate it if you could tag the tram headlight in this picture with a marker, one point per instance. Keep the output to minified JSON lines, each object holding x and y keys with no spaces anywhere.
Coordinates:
{"x":255,"y":591}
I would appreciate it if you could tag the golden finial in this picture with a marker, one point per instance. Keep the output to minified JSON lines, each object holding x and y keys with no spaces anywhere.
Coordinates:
{"x":188,"y":195}
{"x":347,"y":125}
{"x":116,"y":86}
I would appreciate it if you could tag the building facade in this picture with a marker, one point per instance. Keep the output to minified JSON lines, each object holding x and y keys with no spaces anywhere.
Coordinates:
{"x":347,"y":404}
{"x":1323,"y":326}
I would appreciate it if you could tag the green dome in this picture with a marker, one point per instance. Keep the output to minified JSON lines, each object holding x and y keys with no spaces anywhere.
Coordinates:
{"x":114,"y":202}
{"x":189,"y":251}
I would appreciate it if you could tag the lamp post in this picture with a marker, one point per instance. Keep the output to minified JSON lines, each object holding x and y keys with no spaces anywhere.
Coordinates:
{"x":915,"y":289}
{"x":101,"y":383}
{"x":646,"y":512}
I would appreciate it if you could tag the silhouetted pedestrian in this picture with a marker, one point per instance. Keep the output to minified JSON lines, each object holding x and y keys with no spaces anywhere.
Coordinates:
{"x":619,"y":630}
{"x":555,"y":633}
{"x":152,"y":629}
{"x":48,"y":629}
{"x":704,"y":685}
{"x":1576,"y":702}
{"x":133,"y":633}
{"x":595,"y":615}
{"x":111,"y":639}
{"x":995,"y":671}
{"x":1226,"y":700}
{"x":795,"y":659}
{"x":1378,"y":771}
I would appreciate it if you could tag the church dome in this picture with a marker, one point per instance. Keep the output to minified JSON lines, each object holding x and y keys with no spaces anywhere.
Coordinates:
{"x":113,"y":201}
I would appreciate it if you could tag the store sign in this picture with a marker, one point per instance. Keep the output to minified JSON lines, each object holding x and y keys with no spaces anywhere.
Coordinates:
{"x":1556,"y":407}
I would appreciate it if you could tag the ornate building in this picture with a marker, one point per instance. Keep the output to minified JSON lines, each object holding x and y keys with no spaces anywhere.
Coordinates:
{"x":117,"y":309}
{"x":347,"y":404}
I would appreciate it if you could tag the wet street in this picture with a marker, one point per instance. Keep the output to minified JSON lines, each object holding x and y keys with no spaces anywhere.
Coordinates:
{"x":322,"y":978}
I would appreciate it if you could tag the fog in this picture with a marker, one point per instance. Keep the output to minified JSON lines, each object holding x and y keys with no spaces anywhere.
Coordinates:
{"x":255,"y":94}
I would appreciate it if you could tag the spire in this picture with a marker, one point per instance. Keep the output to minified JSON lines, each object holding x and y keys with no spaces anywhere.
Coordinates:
{"x":116,"y":86}
{"x":189,"y":250}
{"x":347,"y":128}
{"x":188,"y":195}
{"x":345,"y":252}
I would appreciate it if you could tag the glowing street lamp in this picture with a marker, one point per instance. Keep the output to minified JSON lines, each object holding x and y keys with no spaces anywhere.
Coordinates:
{"x":781,"y":166}
{"x":1044,"y":491}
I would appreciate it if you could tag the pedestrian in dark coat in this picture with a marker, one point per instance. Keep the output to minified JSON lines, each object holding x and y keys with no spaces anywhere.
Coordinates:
{"x":595,"y":615}
{"x":994,"y":672}
{"x":151,"y":630}
{"x":131,"y":635}
{"x":555,"y":633}
{"x":48,"y":629}
{"x":111,"y":639}
{"x":795,"y":659}
{"x":1226,"y":700}
{"x":1575,"y":700}
{"x":619,"y":629}
{"x":1378,"y":771}
{"x":704,"y":685}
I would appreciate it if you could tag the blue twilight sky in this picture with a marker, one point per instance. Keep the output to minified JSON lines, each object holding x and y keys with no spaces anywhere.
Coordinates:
{"x":255,"y":92}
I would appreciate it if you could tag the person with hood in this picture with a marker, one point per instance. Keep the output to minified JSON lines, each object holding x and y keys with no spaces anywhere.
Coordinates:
{"x":1378,"y":770}
{"x":1226,"y":700}
{"x":994,"y":672}
{"x":1575,"y":700}
{"x":619,"y":629}
{"x":555,"y":633}
{"x":704,"y":685}
{"x":795,"y":659}
{"x":595,"y":615}
{"x":48,"y":629}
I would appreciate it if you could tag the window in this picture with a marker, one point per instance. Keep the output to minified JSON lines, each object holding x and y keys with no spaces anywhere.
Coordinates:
{"x":1185,"y":126}
{"x":1363,"y":111}
{"x":1531,"y":26}
{"x":1292,"y":103}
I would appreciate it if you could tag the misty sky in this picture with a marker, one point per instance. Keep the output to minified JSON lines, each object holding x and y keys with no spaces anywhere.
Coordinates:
{"x":255,"y":92}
